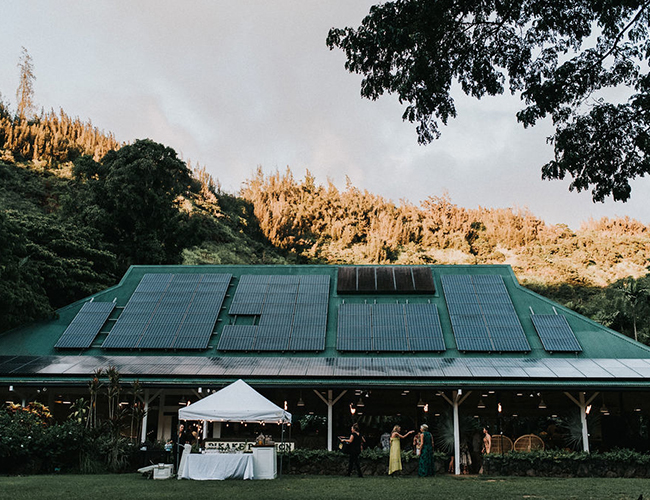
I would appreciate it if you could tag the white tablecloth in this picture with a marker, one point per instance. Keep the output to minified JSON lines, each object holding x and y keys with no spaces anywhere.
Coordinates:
{"x":217,"y":466}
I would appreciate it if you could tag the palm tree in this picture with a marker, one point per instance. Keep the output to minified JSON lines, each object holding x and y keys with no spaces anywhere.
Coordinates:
{"x":633,"y":294}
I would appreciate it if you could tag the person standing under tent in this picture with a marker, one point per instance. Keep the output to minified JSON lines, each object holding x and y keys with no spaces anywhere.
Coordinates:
{"x":182,"y":438}
{"x":395,"y":460}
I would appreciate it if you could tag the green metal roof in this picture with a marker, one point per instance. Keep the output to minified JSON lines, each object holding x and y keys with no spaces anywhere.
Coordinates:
{"x":33,"y":344}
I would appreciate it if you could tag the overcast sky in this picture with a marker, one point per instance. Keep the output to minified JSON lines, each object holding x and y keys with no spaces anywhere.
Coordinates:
{"x":238,"y":84}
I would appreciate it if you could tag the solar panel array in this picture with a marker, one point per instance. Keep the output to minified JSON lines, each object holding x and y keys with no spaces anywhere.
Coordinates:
{"x":385,"y":279}
{"x":555,"y":333}
{"x":482,"y":315}
{"x":85,"y":326}
{"x":170,"y":311}
{"x":292,"y":314}
{"x":389,"y":328}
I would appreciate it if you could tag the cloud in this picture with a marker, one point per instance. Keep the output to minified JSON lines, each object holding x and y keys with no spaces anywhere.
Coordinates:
{"x":234,"y":85}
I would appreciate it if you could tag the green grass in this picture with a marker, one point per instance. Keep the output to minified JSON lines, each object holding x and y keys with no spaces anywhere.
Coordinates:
{"x":134,"y":486}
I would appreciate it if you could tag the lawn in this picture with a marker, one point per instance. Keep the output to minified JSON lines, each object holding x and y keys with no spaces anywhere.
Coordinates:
{"x":134,"y":486}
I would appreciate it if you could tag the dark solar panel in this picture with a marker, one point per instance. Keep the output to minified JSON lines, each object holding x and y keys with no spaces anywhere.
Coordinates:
{"x":85,"y":326}
{"x":307,"y":344}
{"x":288,"y":307}
{"x":404,"y":280}
{"x":389,"y":328}
{"x":180,"y":315}
{"x":272,"y":338}
{"x":366,"y":279}
{"x":482,"y":315}
{"x":385,"y":279}
{"x":423,"y":279}
{"x":237,"y":338}
{"x":555,"y":333}
{"x":347,"y":280}
{"x":389,"y":344}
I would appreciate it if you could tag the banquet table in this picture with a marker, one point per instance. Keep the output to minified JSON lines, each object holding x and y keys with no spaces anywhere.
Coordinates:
{"x":217,"y":466}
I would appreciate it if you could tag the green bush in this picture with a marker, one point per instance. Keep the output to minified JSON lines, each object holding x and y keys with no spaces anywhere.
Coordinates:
{"x":31,"y":444}
{"x":373,"y":462}
{"x":559,"y":463}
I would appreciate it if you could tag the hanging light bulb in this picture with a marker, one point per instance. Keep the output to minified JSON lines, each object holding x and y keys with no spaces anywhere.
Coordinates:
{"x":353,"y":410}
{"x":481,"y":404}
{"x":499,"y":408}
{"x":603,"y":409}
{"x":360,"y":404}
{"x":426,"y":408}
{"x":421,"y":403}
{"x":542,"y":404}
{"x":300,"y":401}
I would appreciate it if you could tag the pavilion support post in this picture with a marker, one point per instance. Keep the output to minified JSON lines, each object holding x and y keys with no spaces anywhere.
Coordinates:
{"x":330,"y":402}
{"x":455,"y":401}
{"x":456,"y":436}
{"x":145,"y":417}
{"x":583,"y":421}
{"x":582,"y":405}
{"x":148,"y":399}
{"x":161,"y":417}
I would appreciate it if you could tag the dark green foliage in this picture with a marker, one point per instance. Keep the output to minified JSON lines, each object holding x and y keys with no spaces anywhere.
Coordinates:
{"x":623,"y":305}
{"x":30,"y":443}
{"x":132,"y":197}
{"x":46,"y":262}
{"x":556,"y":55}
{"x":559,"y":463}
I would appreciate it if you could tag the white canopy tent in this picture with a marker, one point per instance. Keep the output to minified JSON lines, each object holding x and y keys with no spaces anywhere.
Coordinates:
{"x":237,"y":402}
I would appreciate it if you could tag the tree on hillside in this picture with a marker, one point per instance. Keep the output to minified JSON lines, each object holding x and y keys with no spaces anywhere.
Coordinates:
{"x":556,"y":55}
{"x":133,"y":197}
{"x":25,"y":91}
{"x":634,"y":294}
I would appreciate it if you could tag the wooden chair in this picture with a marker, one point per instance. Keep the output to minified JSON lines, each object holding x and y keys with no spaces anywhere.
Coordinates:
{"x":501,"y":444}
{"x":529,"y":442}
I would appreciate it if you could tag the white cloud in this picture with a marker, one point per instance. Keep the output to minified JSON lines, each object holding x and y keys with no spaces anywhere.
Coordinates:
{"x":234,"y":85}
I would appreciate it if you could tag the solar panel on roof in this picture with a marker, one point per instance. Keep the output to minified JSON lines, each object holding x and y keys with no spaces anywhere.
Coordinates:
{"x":366,"y":279}
{"x":85,"y":326}
{"x":389,"y":327}
{"x":385,"y":279}
{"x":555,"y":333}
{"x":404,"y":280}
{"x":284,"y":298}
{"x":307,"y":344}
{"x":347,"y":280}
{"x":482,"y":315}
{"x":155,"y":319}
{"x":237,"y":338}
{"x":423,"y":279}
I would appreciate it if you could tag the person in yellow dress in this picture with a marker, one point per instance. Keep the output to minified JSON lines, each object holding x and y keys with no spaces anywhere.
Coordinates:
{"x":395,"y":460}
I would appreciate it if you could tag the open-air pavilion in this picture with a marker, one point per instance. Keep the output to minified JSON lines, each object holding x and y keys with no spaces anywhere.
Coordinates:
{"x":346,"y":343}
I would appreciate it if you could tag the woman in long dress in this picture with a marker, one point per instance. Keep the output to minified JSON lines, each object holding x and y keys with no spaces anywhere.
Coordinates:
{"x":395,"y":460}
{"x":426,"y":466}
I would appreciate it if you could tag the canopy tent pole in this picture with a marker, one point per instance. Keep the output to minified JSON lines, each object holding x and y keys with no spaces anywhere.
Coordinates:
{"x":330,"y":405}
{"x":455,"y":402}
{"x":582,"y":404}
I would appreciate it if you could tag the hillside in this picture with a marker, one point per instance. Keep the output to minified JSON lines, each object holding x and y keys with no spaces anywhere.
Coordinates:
{"x":77,"y":209}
